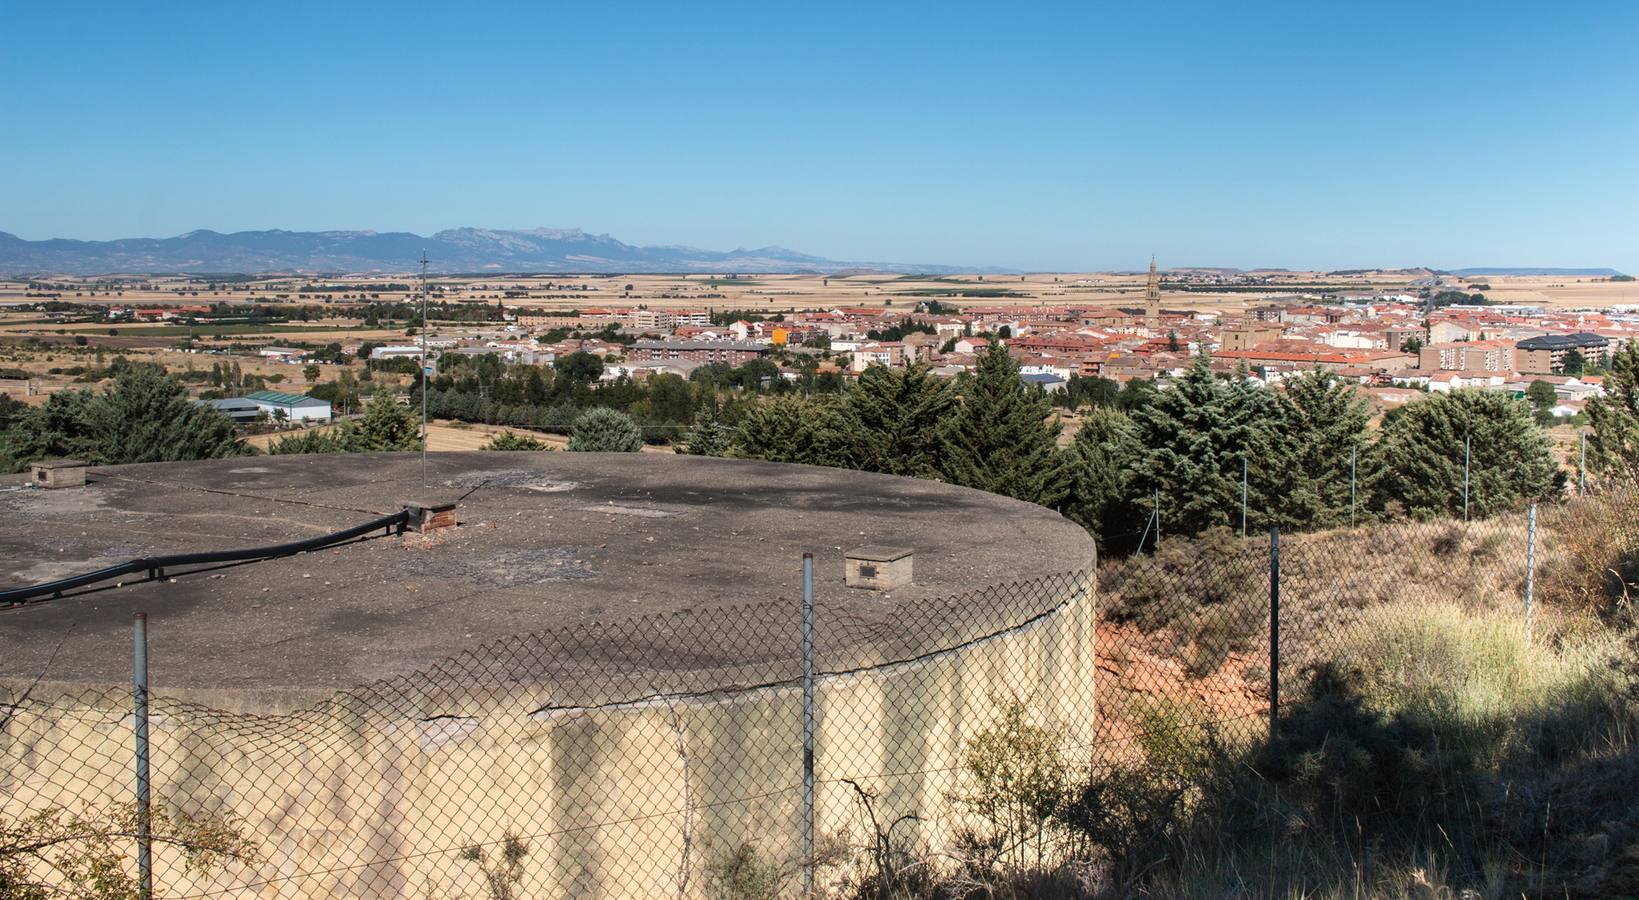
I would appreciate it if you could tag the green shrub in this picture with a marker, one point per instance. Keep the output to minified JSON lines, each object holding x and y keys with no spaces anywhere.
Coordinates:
{"x":1017,"y":779}
{"x":603,"y":430}
{"x":506,"y":440}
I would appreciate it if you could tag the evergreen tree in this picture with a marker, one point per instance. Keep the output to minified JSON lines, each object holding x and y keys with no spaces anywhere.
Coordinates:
{"x":387,"y":425}
{"x":1103,"y":456}
{"x":580,"y":366}
{"x":604,"y":430}
{"x":332,"y":441}
{"x":1613,"y":441}
{"x":890,"y":421}
{"x":1421,"y":448}
{"x":1196,"y":435}
{"x":144,"y":416}
{"x":710,"y":437}
{"x":790,"y":429}
{"x":999,"y":439}
{"x":55,"y":429}
{"x":1321,"y":422}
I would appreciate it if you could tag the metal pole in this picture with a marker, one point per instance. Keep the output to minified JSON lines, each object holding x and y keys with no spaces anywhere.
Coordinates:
{"x":1467,"y":445}
{"x":1274,"y":628}
{"x":1354,"y":460}
{"x":808,"y":724}
{"x":1582,"y":467}
{"x":423,"y":334}
{"x":1243,"y":495}
{"x":1156,"y":500}
{"x":1530,"y":569}
{"x":139,"y":718}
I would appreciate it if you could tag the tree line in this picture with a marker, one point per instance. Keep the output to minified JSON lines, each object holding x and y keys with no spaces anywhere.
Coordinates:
{"x":1303,"y":454}
{"x":1309,"y":458}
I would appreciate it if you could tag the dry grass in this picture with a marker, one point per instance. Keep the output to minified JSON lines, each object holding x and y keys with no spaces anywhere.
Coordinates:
{"x":1428,"y":747}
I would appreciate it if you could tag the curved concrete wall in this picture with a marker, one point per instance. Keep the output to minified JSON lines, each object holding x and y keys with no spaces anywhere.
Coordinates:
{"x":629,"y":800}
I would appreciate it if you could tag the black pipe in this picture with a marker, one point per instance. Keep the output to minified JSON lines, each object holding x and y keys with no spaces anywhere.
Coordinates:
{"x":153,"y":564}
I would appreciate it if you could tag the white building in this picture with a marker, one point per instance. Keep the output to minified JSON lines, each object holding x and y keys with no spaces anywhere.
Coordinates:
{"x":291,"y":407}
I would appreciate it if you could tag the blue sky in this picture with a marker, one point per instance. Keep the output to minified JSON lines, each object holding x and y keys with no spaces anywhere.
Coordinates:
{"x":1032,"y":135}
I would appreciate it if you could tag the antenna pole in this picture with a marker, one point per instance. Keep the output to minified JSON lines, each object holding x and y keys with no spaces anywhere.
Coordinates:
{"x":423,"y":335}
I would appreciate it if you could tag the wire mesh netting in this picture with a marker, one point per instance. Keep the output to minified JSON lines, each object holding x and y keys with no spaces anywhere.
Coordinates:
{"x":569,"y":763}
{"x":573,"y":763}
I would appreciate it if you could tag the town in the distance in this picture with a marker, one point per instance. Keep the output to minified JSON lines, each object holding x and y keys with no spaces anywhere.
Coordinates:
{"x":284,"y":341}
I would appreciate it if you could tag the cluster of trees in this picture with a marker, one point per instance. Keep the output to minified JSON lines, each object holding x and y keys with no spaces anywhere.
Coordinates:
{"x":598,"y":430}
{"x":143,"y":416}
{"x":730,"y":316}
{"x":1305,"y":452}
{"x":485,"y":390}
{"x":1083,"y":391}
{"x":385,"y":314}
{"x":900,"y":330}
{"x":1613,"y":438}
{"x":386,"y":425}
{"x":1180,"y":450}
{"x":1458,"y":298}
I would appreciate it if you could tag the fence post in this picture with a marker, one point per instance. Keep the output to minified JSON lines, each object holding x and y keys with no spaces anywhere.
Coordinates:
{"x":1530,"y":569}
{"x":1274,"y":628}
{"x":1582,"y":467}
{"x":1467,"y":445}
{"x":1354,"y":459}
{"x":808,"y":724}
{"x":139,"y":721}
{"x":1243,"y":495}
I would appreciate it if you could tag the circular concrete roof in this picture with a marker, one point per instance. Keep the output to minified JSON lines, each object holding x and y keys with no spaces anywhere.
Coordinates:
{"x":547,"y":542}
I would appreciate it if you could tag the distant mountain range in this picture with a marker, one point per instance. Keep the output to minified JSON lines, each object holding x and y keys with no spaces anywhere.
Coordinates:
{"x":470,"y":250}
{"x":474,"y":250}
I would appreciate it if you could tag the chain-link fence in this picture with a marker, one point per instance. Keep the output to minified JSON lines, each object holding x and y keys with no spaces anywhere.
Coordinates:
{"x":594,"y":761}
{"x":640,"y":759}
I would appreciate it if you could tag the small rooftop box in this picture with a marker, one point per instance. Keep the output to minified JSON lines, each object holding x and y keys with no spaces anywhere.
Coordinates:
{"x":877,"y":568}
{"x":58,"y":473}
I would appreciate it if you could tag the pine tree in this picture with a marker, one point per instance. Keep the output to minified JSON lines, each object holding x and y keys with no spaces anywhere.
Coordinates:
{"x":708,"y":437}
{"x":1421,"y":448}
{"x":1103,"y":455}
{"x":1321,"y":422}
{"x":999,"y":439}
{"x":54,"y":429}
{"x":890,"y":421}
{"x":1613,"y":442}
{"x":790,"y":429}
{"x":144,"y":416}
{"x":1196,"y":435}
{"x":604,"y":430}
{"x":387,"y":425}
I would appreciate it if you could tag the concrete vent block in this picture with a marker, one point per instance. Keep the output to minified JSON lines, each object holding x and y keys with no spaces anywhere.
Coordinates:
{"x":878,"y":568}
{"x":428,"y":516}
{"x":58,"y":473}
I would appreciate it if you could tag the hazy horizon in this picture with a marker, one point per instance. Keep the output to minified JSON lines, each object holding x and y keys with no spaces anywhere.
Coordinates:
{"x":981,"y":267}
{"x":1047,"y":137}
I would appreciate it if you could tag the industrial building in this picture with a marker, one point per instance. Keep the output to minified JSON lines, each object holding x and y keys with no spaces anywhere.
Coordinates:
{"x":291,"y":407}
